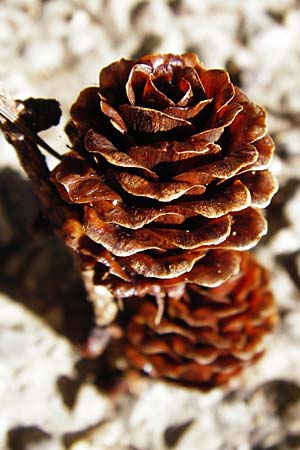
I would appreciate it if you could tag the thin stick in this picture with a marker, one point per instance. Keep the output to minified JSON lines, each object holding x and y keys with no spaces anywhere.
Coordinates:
{"x":9,"y":111}
{"x":32,"y":161}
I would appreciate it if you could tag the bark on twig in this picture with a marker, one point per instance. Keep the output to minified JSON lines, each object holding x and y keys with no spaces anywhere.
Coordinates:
{"x":33,"y":162}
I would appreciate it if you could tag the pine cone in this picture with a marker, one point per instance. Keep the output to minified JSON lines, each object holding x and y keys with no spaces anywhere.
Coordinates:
{"x":208,"y":335}
{"x":169,"y":167}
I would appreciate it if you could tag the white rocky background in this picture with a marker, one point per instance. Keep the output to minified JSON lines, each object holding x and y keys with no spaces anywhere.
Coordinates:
{"x":49,"y":396}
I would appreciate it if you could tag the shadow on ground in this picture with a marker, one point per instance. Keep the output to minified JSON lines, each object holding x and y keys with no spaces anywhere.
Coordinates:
{"x":38,"y":271}
{"x":36,"y":268}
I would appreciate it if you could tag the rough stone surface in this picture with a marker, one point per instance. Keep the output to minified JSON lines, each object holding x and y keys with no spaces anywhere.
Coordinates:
{"x":49,"y":396}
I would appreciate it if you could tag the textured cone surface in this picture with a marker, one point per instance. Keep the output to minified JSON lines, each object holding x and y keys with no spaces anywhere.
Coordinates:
{"x":169,"y":169}
{"x":206,"y":336}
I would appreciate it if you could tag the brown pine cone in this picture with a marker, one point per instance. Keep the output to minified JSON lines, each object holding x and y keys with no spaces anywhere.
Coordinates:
{"x":208,"y":335}
{"x":169,"y":167}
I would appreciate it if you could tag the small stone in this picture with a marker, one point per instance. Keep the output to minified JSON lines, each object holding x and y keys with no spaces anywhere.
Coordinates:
{"x":285,"y":240}
{"x":44,"y":56}
{"x":290,"y":141}
{"x":81,"y":445}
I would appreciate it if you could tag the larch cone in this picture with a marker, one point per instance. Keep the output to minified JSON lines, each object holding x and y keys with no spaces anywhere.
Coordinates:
{"x":206,"y":336}
{"x":169,"y":171}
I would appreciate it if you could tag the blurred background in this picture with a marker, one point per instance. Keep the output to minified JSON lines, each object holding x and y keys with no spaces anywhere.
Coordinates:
{"x":50,"y":397}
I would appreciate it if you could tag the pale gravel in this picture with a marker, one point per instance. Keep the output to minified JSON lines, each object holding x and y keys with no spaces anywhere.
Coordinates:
{"x":32,"y":357}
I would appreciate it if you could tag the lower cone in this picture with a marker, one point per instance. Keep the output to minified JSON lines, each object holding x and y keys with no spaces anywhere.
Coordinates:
{"x":205,"y":336}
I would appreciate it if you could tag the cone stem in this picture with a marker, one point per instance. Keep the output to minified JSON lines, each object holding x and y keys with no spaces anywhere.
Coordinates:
{"x":35,"y":166}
